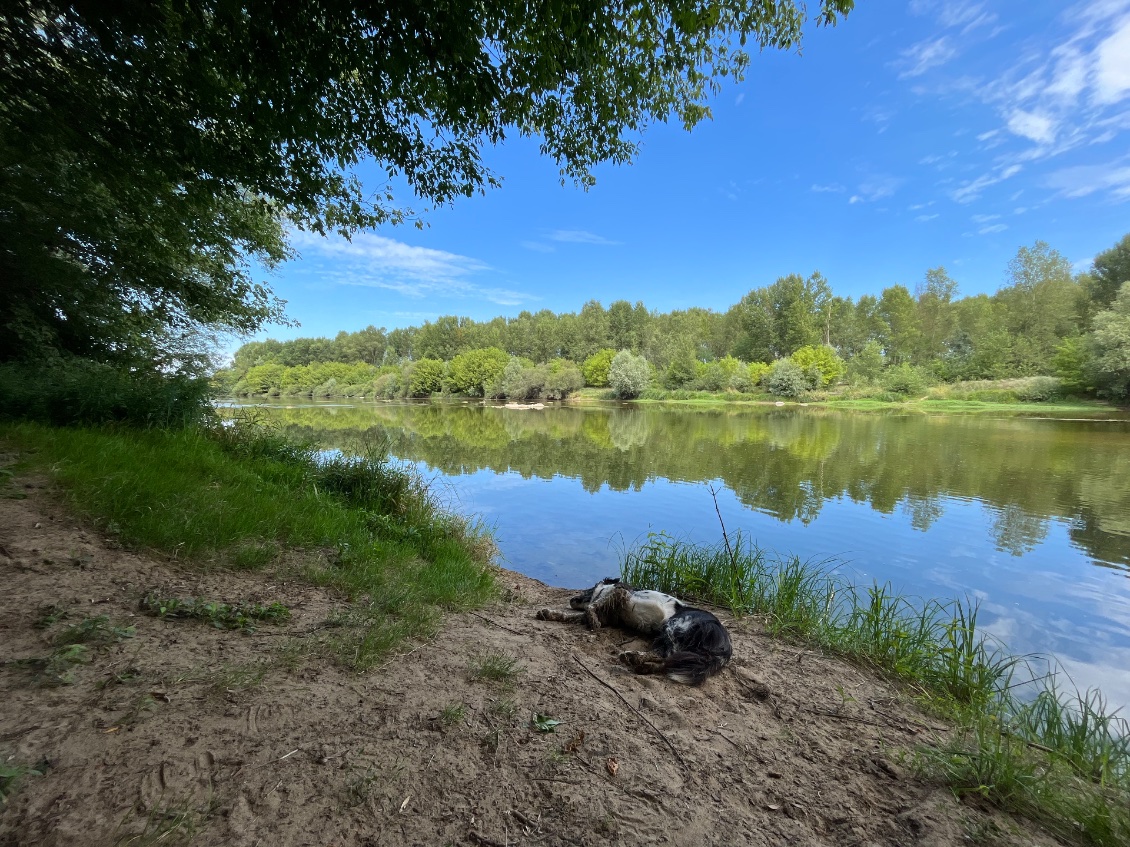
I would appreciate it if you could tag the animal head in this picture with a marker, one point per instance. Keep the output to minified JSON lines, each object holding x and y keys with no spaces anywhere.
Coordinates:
{"x":590,"y":595}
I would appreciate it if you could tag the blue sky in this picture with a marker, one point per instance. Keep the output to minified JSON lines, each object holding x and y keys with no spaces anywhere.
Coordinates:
{"x":914,"y":134}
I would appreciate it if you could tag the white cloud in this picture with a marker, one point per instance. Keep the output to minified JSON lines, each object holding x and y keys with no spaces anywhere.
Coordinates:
{"x":1112,"y":65}
{"x":985,"y":136}
{"x":831,"y":188}
{"x":970,"y":191}
{"x":983,"y":219}
{"x":877,"y":187}
{"x":921,"y":57}
{"x":375,"y":261}
{"x":1081,"y":180}
{"x":539,"y":246}
{"x":924,"y":218}
{"x":1031,"y":125}
{"x":738,"y":100}
{"x":579,"y":236}
{"x":988,"y":230}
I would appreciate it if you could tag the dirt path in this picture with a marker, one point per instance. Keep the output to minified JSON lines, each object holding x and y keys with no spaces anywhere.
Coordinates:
{"x":186,"y":733}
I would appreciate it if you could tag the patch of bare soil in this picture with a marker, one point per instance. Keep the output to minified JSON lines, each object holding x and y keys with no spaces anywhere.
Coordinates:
{"x":186,"y":733}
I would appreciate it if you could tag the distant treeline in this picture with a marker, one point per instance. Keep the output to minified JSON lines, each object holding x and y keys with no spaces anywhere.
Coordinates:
{"x":1045,"y":320}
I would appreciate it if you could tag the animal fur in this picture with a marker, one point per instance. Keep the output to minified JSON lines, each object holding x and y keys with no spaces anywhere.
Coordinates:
{"x":690,"y":644}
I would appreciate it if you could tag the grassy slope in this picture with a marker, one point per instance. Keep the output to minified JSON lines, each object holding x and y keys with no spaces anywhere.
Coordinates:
{"x":241,"y":498}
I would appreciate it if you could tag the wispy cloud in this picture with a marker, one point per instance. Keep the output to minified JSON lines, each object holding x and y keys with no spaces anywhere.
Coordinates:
{"x":1112,"y":65}
{"x":1081,"y":180}
{"x":539,"y":246}
{"x":377,"y":262}
{"x":921,"y":57}
{"x":969,"y":191}
{"x":966,"y":14}
{"x":924,"y":218}
{"x":984,"y":219}
{"x":876,"y":187}
{"x":831,"y":188}
{"x":988,"y":230}
{"x":580,"y":236}
{"x":1032,"y":125}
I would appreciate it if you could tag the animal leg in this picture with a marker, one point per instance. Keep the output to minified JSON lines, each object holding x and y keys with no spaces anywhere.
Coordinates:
{"x":560,"y":616}
{"x":642,"y":662}
{"x":592,"y":618}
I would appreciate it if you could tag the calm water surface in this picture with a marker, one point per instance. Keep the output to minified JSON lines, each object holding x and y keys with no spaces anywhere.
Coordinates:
{"x":1030,"y":516}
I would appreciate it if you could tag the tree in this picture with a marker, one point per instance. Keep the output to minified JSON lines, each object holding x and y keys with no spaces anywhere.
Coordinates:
{"x":1110,"y":346}
{"x":821,"y":365}
{"x":596,"y":367}
{"x":1110,"y":270}
{"x":899,"y":315}
{"x":476,"y":371}
{"x":1040,"y":307}
{"x":150,"y":153}
{"x":629,"y":375}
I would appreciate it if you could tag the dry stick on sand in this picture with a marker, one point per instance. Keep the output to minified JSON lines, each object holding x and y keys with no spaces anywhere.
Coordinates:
{"x":496,"y":623}
{"x":639,"y":714}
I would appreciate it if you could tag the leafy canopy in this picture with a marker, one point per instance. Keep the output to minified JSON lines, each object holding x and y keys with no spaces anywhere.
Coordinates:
{"x":152,"y":152}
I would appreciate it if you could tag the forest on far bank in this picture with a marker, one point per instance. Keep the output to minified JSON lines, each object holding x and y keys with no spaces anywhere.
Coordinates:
{"x":788,"y":337}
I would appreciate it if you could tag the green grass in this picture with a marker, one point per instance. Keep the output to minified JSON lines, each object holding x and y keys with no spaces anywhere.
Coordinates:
{"x":241,"y":496}
{"x":241,"y":616}
{"x":496,"y":667}
{"x":1060,"y":758}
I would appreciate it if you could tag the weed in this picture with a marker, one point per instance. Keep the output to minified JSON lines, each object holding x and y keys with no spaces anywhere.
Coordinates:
{"x":544,"y":723}
{"x":504,"y":709}
{"x":452,"y":714}
{"x":12,"y":774}
{"x":96,"y":632}
{"x":496,"y":667}
{"x":49,"y":615}
{"x":227,"y":677}
{"x":241,"y":616}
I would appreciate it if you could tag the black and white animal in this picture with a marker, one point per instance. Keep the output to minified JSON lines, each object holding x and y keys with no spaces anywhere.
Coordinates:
{"x":690,"y":645}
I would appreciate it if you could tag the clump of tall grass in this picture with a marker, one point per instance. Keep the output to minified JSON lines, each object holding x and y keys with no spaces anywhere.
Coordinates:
{"x":935,"y":645}
{"x":1060,"y":758}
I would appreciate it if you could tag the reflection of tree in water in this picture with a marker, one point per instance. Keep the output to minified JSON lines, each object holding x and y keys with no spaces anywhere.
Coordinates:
{"x":923,"y":511}
{"x":784,"y":463}
{"x":1016,"y":531}
{"x":628,"y":429}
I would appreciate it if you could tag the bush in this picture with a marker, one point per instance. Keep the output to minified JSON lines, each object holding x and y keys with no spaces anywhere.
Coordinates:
{"x":79,"y":391}
{"x":867,"y":365}
{"x":904,"y":379}
{"x":820,"y":364}
{"x":425,"y":378}
{"x":629,"y":375}
{"x":786,"y":379}
{"x":477,"y":372}
{"x":595,"y":368}
{"x":1039,"y":389}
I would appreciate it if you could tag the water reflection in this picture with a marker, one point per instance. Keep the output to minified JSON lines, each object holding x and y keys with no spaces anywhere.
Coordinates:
{"x":1016,"y":512}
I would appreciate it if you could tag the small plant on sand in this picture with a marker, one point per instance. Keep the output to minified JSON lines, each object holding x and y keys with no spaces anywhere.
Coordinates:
{"x":12,"y":774}
{"x":496,"y":667}
{"x":95,"y":632}
{"x":452,"y":714}
{"x":240,"y":616}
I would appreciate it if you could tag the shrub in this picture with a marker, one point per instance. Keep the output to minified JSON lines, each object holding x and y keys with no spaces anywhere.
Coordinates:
{"x":904,"y":379}
{"x":820,"y":364}
{"x":867,"y":365}
{"x":1039,"y":389}
{"x":476,"y":372}
{"x":562,"y":378}
{"x":80,"y":391}
{"x":629,"y":375}
{"x":595,"y":368}
{"x":786,"y":379}
{"x":425,"y":378}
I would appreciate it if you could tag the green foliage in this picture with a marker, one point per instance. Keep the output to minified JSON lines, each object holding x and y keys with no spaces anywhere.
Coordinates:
{"x":596,"y":367}
{"x":117,"y":229}
{"x":1072,"y":363}
{"x":628,"y":375}
{"x":905,"y":379}
{"x":477,"y":372}
{"x":785,"y":379}
{"x":1110,"y":347}
{"x":95,"y":632}
{"x":427,"y":377}
{"x":867,"y":365}
{"x":80,"y":391}
{"x":820,"y":364}
{"x":12,"y":774}
{"x":243,"y":616}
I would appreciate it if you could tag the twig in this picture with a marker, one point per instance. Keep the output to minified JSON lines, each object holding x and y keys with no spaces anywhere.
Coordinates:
{"x":486,"y":842}
{"x":525,"y":820}
{"x":8,"y":736}
{"x":639,"y":714}
{"x":725,"y":537}
{"x":843,"y":717}
{"x":720,"y":734}
{"x":496,"y":623}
